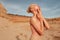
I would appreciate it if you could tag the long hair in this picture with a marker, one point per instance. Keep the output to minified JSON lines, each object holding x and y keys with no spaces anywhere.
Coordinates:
{"x":32,"y":5}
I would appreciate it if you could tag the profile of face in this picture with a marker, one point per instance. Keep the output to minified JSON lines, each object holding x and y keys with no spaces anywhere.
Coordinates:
{"x":33,"y":8}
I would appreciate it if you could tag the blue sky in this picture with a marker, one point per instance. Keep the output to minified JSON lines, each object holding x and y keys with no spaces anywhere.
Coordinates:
{"x":50,"y":8}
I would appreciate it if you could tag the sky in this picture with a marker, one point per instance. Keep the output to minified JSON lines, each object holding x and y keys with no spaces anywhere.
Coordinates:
{"x":50,"y":8}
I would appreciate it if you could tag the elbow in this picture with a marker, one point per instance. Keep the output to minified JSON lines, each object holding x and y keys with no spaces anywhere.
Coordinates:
{"x":47,"y":27}
{"x":41,"y":33}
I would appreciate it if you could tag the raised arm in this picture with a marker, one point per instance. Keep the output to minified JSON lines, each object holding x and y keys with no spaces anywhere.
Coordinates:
{"x":45,"y":24}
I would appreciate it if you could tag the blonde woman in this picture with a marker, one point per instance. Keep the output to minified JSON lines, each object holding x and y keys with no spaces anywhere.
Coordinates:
{"x":37,"y":22}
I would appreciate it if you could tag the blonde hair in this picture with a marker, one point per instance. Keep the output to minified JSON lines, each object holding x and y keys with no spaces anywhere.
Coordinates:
{"x":32,"y":5}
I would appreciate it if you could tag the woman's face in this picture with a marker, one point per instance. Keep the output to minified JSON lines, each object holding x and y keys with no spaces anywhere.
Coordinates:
{"x":34,"y":8}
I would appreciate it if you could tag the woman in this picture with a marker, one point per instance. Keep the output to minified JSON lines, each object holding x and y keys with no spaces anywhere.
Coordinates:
{"x":37,"y":21}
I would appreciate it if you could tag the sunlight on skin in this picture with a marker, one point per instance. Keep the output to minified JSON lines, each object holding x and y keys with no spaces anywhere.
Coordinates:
{"x":36,"y":22}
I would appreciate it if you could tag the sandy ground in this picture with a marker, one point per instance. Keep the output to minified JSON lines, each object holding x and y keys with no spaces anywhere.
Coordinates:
{"x":10,"y":30}
{"x":14,"y":31}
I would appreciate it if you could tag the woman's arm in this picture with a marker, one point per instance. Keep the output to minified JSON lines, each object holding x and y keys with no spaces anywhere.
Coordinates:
{"x":43,"y":21}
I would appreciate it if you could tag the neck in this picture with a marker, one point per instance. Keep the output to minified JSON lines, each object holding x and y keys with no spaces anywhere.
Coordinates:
{"x":34,"y":15}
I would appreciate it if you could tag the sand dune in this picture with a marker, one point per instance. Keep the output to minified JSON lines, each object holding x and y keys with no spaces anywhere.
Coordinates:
{"x":17,"y":27}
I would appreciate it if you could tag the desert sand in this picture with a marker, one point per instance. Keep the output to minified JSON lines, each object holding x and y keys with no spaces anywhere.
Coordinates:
{"x":17,"y":27}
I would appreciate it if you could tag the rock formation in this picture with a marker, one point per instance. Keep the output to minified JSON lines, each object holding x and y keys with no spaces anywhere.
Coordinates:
{"x":3,"y":11}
